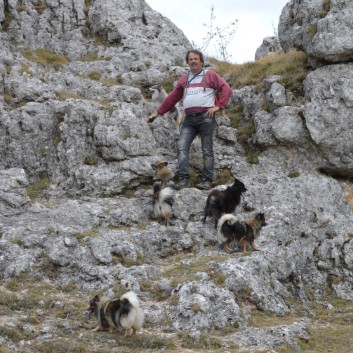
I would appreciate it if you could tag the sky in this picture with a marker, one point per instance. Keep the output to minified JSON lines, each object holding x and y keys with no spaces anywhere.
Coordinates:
{"x":257,"y":19}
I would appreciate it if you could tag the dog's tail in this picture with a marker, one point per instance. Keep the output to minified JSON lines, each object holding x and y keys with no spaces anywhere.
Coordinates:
{"x":226,"y":218}
{"x":135,"y":316}
{"x":132,"y":298}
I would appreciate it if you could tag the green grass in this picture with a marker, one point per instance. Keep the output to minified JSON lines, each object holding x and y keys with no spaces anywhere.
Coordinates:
{"x":295,"y":174}
{"x":37,"y":188}
{"x":235,"y":113}
{"x":90,"y":160}
{"x":312,"y":30}
{"x":169,"y":82}
{"x":329,"y":338}
{"x":224,"y":176}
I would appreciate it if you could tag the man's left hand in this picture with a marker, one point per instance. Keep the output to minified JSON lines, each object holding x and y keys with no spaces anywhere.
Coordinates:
{"x":211,"y":111}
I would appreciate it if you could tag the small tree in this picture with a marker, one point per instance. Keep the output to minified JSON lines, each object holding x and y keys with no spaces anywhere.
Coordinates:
{"x":275,"y":35}
{"x":221,"y":36}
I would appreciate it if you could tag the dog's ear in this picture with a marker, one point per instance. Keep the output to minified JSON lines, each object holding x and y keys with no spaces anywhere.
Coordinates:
{"x":164,"y":164}
{"x":260,"y":216}
{"x":96,"y":299}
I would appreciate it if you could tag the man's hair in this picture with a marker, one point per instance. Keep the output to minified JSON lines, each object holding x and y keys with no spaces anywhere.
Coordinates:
{"x":194,"y":51}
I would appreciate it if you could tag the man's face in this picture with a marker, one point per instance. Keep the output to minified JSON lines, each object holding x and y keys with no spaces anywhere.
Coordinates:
{"x":194,"y":63}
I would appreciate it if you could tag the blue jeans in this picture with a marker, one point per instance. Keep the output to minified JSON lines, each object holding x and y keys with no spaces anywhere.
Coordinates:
{"x":192,"y":126}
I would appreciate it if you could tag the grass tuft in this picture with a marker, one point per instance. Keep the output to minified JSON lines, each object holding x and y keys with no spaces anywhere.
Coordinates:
{"x":37,"y":188}
{"x":45,"y":58}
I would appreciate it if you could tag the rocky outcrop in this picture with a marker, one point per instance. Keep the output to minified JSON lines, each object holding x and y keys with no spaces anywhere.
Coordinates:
{"x":328,"y":116}
{"x":13,"y":195}
{"x":320,"y":28}
{"x":269,"y":46}
{"x":88,"y":100}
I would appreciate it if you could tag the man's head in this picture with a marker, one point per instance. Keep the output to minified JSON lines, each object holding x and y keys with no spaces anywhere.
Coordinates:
{"x":194,"y":59}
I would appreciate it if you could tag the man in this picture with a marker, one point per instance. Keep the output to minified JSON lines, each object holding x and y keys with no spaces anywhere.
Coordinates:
{"x":198,"y":90}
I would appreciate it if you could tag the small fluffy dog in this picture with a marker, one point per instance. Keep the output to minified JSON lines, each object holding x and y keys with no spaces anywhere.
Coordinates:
{"x":163,"y":200}
{"x":229,"y":228}
{"x":162,"y":171}
{"x":117,"y":314}
{"x":220,"y":202}
{"x":158,"y":96}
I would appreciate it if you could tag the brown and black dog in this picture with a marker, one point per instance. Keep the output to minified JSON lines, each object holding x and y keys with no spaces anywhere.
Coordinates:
{"x":229,"y":228}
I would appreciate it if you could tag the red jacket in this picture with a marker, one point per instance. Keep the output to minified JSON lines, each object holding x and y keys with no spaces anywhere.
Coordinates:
{"x":212,"y":80}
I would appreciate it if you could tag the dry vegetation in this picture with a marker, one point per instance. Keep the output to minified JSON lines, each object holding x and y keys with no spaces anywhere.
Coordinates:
{"x":45,"y":58}
{"x":291,"y":66}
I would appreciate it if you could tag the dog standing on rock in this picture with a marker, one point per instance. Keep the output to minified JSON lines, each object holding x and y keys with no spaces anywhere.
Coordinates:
{"x":229,"y":229}
{"x":220,"y":202}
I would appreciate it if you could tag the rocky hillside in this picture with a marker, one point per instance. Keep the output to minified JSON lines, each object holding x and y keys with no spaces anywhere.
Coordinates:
{"x":76,"y":187}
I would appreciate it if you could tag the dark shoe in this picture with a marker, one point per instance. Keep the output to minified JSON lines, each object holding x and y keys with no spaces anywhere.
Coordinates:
{"x":204,"y":185}
{"x":183,"y":183}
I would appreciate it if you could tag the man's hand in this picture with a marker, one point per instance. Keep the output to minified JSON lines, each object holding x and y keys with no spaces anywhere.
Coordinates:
{"x":152,"y":117}
{"x":211,"y":111}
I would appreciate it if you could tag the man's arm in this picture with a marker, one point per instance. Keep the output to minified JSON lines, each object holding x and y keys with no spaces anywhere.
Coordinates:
{"x":169,"y":102}
{"x":219,"y":84}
